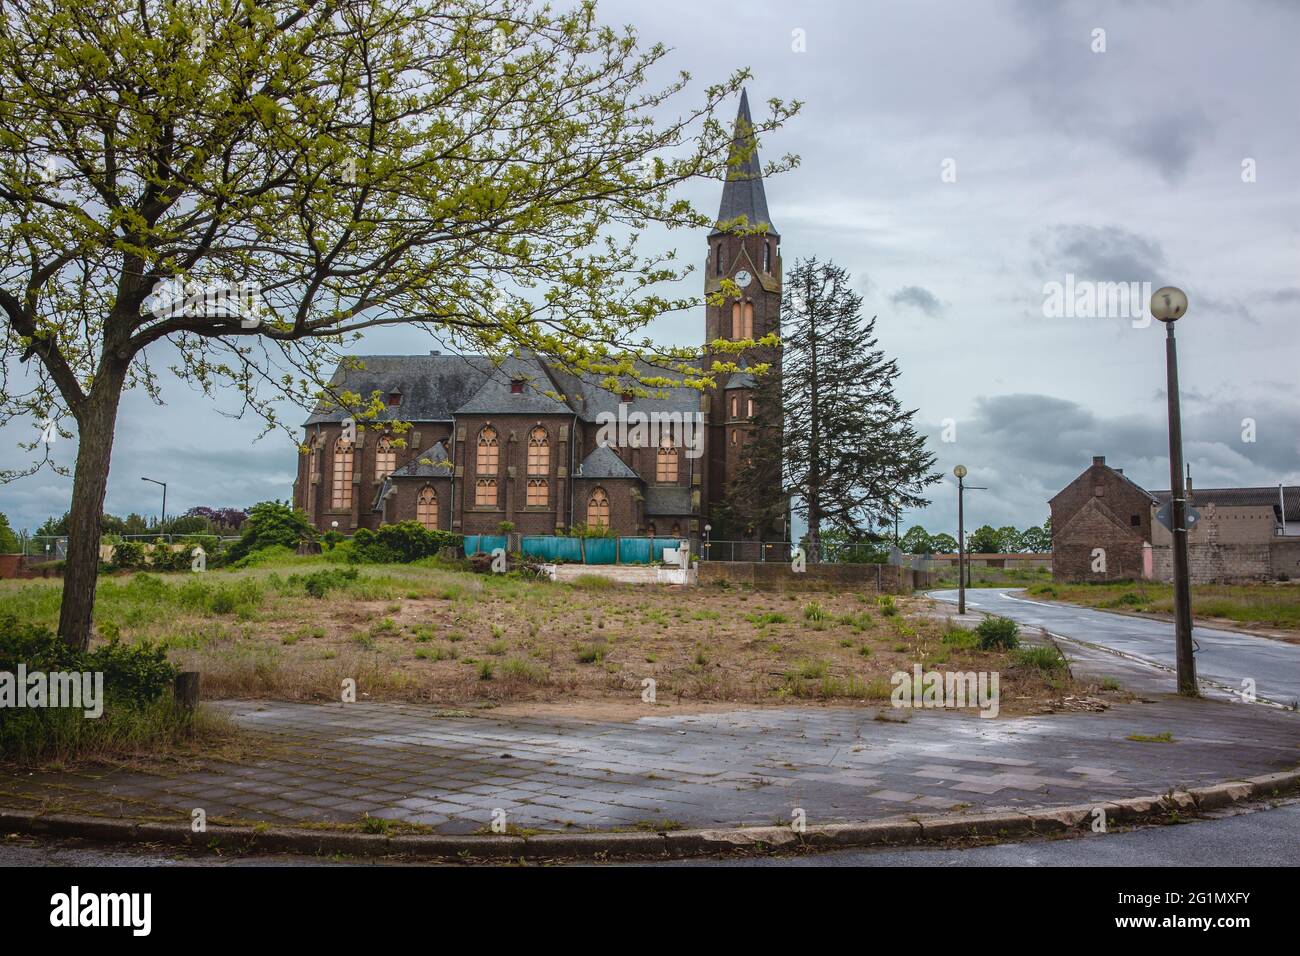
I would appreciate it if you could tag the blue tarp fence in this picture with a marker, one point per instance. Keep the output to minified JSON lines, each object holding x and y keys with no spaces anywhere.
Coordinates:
{"x":486,"y":543}
{"x":547,"y":547}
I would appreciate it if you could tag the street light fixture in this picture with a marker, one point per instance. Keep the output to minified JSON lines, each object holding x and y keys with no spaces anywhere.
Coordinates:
{"x":164,"y":503}
{"x":1169,"y":305}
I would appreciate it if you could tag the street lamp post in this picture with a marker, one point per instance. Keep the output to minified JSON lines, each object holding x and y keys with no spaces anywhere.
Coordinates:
{"x":1169,"y":305}
{"x":164,"y":503}
{"x":960,"y":472}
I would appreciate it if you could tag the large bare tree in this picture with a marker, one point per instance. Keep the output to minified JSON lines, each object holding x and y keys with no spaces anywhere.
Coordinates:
{"x":481,"y":168}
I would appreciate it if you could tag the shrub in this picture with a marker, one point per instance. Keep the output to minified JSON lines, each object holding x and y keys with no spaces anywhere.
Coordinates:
{"x":272,"y":524}
{"x":319,"y":583}
{"x":403,"y":542}
{"x":813,"y":611}
{"x":887,"y":606}
{"x":128,"y":556}
{"x":998,"y":633}
{"x":135,"y":677}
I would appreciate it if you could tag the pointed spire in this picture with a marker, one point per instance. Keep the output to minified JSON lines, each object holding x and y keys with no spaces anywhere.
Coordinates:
{"x":743,"y":195}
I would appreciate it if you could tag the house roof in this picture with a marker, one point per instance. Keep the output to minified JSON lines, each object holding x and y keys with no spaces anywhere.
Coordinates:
{"x":742,"y":194}
{"x":667,"y":500}
{"x":1244,"y":498}
{"x":603,"y":463}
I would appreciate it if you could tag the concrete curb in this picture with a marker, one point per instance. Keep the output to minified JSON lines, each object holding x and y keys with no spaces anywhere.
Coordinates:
{"x":896,"y":831}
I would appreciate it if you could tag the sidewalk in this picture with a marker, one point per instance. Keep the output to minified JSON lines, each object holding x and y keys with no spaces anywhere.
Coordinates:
{"x":449,"y":771}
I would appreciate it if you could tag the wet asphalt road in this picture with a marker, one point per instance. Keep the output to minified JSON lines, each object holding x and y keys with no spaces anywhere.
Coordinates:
{"x":1225,"y":657}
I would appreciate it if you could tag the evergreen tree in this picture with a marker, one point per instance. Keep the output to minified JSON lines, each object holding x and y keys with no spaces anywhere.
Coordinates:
{"x":849,"y":455}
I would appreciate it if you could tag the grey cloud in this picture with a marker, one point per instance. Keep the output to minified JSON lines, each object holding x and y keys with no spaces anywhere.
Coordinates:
{"x":918,"y":298}
{"x":1102,"y":254}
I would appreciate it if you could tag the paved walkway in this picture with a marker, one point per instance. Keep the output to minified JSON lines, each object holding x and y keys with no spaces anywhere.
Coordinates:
{"x":451,"y":771}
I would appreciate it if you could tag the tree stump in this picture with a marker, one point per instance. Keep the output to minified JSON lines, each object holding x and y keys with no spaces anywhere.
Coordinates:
{"x":186,"y":689}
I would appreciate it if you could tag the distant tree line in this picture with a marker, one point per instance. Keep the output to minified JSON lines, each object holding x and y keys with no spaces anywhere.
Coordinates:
{"x":200,"y":520}
{"x":983,"y":540}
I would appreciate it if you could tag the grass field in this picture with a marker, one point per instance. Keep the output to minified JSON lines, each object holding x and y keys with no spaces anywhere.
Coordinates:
{"x":1272,"y":604}
{"x":295,"y":628}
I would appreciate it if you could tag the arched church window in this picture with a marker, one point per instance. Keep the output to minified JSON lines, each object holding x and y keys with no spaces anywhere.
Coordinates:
{"x":426,"y":508}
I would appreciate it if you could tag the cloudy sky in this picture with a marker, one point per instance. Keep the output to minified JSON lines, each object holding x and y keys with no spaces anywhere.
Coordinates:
{"x":956,"y":157}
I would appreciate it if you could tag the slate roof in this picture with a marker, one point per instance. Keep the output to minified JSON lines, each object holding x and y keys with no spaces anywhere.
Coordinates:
{"x":588,"y":399}
{"x":603,"y":463}
{"x":496,"y":395}
{"x":1243,"y":498}
{"x":740,"y":379}
{"x":667,"y":500}
{"x":743,"y":195}
{"x":432,"y":386}
{"x":425,"y":464}
{"x":435,"y":388}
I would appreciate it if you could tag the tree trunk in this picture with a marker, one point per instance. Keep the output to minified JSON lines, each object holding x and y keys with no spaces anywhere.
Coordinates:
{"x":96,"y":421}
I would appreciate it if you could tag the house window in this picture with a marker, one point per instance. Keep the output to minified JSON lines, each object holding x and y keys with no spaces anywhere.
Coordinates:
{"x":735,"y":406}
{"x":426,"y":508}
{"x":517,"y":386}
{"x":539,"y":451}
{"x":539,"y":492}
{"x":650,"y":529}
{"x":666,"y":462}
{"x":341,"y":496}
{"x":385,"y":459}
{"x":677,"y":530}
{"x":489,"y":452}
{"x":733,"y":436}
{"x":749,"y":408}
{"x":394,"y":398}
{"x":1135,"y":520}
{"x":598,"y":509}
{"x":485,"y":493}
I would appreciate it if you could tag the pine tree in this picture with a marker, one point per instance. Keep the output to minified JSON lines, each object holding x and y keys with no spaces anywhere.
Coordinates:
{"x":850,"y":456}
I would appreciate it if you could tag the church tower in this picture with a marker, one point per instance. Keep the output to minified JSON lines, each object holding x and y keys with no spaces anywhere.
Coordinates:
{"x":744,"y":247}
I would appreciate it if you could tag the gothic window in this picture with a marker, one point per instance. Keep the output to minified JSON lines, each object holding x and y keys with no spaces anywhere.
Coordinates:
{"x":341,"y":496}
{"x":718,"y":258}
{"x":426,"y":508}
{"x":489,"y":452}
{"x":747,"y":326}
{"x":677,"y":530}
{"x":666,"y":461}
{"x":767,"y":257}
{"x":539,"y":451}
{"x":735,"y":320}
{"x":385,"y":459}
{"x":734,"y":435}
{"x":598,"y":509}
{"x":485,"y":493}
{"x":539,"y":492}
{"x":749,"y":408}
{"x":650,"y":529}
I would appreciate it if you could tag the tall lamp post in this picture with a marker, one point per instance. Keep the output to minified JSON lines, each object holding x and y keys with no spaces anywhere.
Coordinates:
{"x":1169,"y":305}
{"x":164,"y":505}
{"x":960,"y":472}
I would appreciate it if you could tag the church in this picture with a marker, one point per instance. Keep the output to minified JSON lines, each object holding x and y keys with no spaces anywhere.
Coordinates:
{"x":518,"y":443}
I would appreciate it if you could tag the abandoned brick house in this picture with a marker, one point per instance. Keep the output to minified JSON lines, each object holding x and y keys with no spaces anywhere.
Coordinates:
{"x":1104,"y":528}
{"x":517,"y":441}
